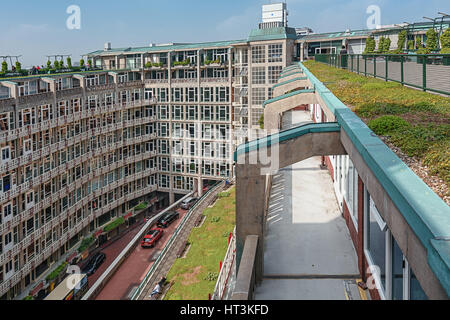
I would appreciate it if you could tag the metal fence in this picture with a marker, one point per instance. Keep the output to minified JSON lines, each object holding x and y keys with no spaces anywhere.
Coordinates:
{"x":429,"y":72}
{"x":227,"y":276}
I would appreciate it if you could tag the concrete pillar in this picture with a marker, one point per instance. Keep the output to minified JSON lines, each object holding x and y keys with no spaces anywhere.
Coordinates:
{"x":302,"y":51}
{"x":250,"y":193}
{"x":200,"y":187}
{"x":171,"y":198}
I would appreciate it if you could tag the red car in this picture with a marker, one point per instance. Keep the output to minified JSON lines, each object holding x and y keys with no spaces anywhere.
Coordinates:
{"x":151,"y":238}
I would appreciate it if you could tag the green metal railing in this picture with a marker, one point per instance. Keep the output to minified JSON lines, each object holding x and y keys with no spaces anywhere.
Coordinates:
{"x":429,"y":72}
{"x":163,"y":253}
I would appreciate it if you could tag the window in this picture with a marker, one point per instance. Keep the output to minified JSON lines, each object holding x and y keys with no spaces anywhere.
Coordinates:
{"x":177,"y":113}
{"x":351,"y":190}
{"x":163,"y":113}
{"x":222,"y":94}
{"x":191,"y":94}
{"x":258,"y":75}
{"x":222,"y":113}
{"x":6,"y":155}
{"x":274,"y":73}
{"x":258,"y":96}
{"x":259,"y":54}
{"x":275,"y":52}
{"x":191,"y":113}
{"x":206,"y":94}
{"x":377,"y":244}
{"x":177,"y":94}
{"x":207,"y":113}
{"x":7,"y":210}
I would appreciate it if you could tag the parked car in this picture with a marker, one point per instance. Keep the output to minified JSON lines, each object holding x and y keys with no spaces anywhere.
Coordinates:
{"x":167,"y":219}
{"x":152,"y":237}
{"x":94,"y":263}
{"x":188,"y":203}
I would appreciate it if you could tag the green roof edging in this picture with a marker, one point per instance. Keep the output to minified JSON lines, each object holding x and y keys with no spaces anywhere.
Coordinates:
{"x":285,"y":136}
{"x":426,"y":213}
{"x":289,"y":69}
{"x":289,"y":81}
{"x":290,"y":74}
{"x":287,"y":95}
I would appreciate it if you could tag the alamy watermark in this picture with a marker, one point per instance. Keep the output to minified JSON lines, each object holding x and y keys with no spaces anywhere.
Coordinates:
{"x":374,"y":20}
{"x":73,"y":22}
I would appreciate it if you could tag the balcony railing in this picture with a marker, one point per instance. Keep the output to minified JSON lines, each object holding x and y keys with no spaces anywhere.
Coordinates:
{"x":430,"y":72}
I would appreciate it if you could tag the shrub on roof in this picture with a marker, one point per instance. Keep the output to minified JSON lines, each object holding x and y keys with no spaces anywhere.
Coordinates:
{"x":411,"y":45}
{"x":113,"y":225}
{"x":432,"y":39}
{"x":380,"y":45}
{"x":4,"y":67}
{"x":386,"y":45}
{"x":401,"y":40}
{"x":370,"y":45}
{"x":385,"y":125}
{"x":419,"y":43}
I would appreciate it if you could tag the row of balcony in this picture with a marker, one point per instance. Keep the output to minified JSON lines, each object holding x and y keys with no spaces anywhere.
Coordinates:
{"x":29,"y":238}
{"x":46,"y":151}
{"x":47,"y":176}
{"x":28,"y":130}
{"x":39,"y":258}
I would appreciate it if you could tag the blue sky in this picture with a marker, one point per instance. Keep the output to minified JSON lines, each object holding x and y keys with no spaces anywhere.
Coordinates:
{"x":38,"y":28}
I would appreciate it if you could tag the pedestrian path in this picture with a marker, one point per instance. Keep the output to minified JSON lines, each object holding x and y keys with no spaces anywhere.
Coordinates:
{"x":308,"y":252}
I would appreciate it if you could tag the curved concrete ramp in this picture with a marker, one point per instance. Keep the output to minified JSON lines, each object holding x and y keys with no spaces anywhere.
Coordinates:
{"x":258,"y":159}
{"x":274,"y":108}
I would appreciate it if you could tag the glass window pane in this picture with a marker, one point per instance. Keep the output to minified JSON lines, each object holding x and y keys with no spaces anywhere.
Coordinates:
{"x":377,"y":247}
{"x":416,"y":292}
{"x":397,"y":272}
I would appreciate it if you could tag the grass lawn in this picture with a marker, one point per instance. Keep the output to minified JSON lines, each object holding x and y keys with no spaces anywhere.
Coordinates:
{"x":195,"y":276}
{"x":417,"y":122}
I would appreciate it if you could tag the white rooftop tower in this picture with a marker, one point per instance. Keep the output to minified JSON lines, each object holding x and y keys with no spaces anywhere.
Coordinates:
{"x":275,"y":14}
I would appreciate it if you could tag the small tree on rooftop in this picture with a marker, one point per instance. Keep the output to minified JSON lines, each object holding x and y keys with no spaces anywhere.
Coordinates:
{"x":411,"y":45}
{"x":419,"y":43}
{"x":18,"y":66}
{"x":445,"y":42}
{"x":49,"y":64}
{"x":386,"y":45}
{"x":90,"y":63}
{"x":56,"y":64}
{"x":4,"y":67}
{"x":370,"y":45}
{"x":401,"y":40}
{"x":69,"y":63}
{"x":432,"y":40}
{"x":82,"y":63}
{"x":380,"y":45}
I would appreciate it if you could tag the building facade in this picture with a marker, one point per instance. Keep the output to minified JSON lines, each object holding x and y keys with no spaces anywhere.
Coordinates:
{"x":81,"y":149}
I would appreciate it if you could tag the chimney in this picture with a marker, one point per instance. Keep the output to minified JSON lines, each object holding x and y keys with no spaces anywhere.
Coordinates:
{"x":107,"y":46}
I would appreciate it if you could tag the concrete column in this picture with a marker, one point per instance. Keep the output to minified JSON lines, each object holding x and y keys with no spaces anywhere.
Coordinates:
{"x":302,"y":51}
{"x":171,"y":198}
{"x":250,"y":193}
{"x":200,"y":187}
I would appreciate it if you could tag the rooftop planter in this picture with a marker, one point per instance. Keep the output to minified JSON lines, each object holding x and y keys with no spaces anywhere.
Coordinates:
{"x":186,"y":62}
{"x":55,"y":274}
{"x":141,"y":206}
{"x":114,"y":225}
{"x":86,"y":243}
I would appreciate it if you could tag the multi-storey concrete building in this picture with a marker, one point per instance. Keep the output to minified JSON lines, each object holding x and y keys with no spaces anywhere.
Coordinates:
{"x":81,"y":149}
{"x":150,"y":123}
